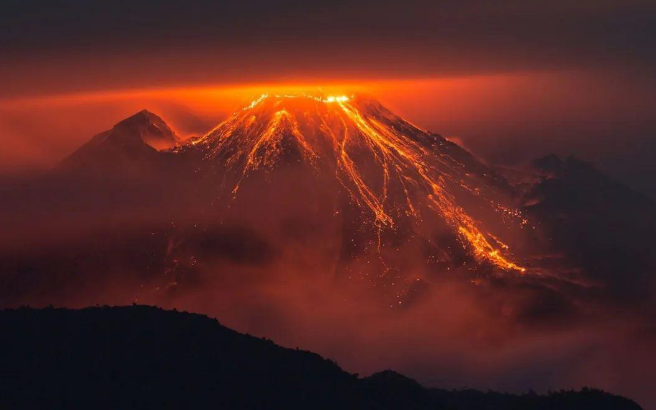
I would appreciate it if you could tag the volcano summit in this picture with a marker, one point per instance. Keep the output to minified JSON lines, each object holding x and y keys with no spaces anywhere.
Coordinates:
{"x":396,"y":174}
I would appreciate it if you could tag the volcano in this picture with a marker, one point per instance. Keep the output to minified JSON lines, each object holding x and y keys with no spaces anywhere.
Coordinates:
{"x":330,"y":186}
{"x":315,"y":186}
{"x":399,"y":181}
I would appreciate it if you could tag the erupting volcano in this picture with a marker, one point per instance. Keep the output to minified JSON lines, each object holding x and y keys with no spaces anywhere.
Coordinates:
{"x":335,"y":186}
{"x":397,"y":174}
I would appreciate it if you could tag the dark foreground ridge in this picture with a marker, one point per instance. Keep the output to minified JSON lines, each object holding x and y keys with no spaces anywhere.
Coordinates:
{"x":145,"y":357}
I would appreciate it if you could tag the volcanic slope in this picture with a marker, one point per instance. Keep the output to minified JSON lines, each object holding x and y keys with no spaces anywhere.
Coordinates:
{"x":398,"y":183}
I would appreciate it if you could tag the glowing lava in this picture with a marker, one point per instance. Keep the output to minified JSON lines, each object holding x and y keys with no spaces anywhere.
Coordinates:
{"x":341,"y":98}
{"x":354,"y":134}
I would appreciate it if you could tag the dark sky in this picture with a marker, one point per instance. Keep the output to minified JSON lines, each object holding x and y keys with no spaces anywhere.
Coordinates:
{"x":210,"y":41}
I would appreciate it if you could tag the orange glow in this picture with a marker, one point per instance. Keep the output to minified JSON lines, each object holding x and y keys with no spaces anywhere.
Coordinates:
{"x":489,"y":114}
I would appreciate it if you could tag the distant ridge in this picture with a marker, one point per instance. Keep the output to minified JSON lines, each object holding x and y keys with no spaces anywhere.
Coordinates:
{"x":132,"y":142}
{"x":152,"y":129}
{"x":145,"y":357}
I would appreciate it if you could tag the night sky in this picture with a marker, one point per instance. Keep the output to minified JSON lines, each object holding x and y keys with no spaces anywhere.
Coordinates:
{"x":100,"y":43}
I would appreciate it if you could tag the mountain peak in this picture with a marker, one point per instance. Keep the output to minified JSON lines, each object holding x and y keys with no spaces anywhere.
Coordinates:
{"x":150,"y":128}
{"x":143,"y":116}
{"x":129,"y":144}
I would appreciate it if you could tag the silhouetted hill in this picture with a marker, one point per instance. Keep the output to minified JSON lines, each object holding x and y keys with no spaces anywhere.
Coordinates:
{"x":144,"y":357}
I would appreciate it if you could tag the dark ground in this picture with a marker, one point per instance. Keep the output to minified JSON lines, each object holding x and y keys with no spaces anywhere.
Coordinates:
{"x":145,"y":357}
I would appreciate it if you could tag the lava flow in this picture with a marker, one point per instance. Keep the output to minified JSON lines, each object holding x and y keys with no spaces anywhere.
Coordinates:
{"x":387,"y":165}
